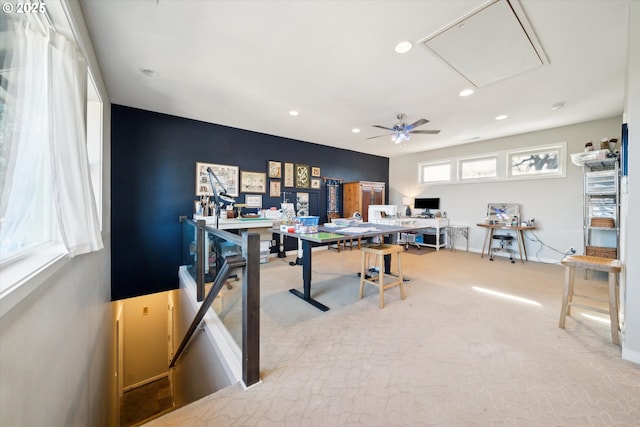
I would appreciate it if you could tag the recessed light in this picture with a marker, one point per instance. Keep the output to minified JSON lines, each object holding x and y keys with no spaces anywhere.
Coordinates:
{"x":466,"y":92}
{"x":355,"y":130}
{"x":501,"y":117}
{"x":557,"y":106}
{"x":404,"y":47}
{"x":149,"y":73}
{"x":293,"y":113}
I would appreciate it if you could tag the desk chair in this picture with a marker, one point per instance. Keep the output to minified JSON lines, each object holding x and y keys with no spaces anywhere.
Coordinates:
{"x":504,"y":239}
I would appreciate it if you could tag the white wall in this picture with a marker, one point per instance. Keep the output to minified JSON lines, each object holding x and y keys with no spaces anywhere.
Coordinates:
{"x":631,"y":285}
{"x":57,"y":360}
{"x":555,"y":203}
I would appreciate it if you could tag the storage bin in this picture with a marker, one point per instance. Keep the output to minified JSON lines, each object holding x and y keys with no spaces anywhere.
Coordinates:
{"x":601,"y":251}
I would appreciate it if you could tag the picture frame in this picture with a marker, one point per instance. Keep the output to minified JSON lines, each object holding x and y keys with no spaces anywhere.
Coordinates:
{"x":253,"y":201}
{"x":226,"y":174}
{"x":303,"y":180}
{"x":275,"y":169}
{"x":253,"y":182}
{"x":274,"y":188}
{"x":302,"y":204}
{"x":315,"y":183}
{"x":315,"y":171}
{"x":288,"y":175}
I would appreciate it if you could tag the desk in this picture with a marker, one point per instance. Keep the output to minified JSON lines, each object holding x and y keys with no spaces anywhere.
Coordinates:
{"x":519,"y":229}
{"x":419,"y":224}
{"x":334,"y":234}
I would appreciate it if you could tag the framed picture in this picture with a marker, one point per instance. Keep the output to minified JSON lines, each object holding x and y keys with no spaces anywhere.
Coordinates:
{"x":302,"y":204}
{"x":227,"y":175}
{"x":275,"y":169}
{"x":274,"y":188}
{"x":253,"y":200}
{"x":253,"y":182}
{"x":315,"y":171}
{"x":315,"y":183}
{"x":303,"y":180}
{"x":288,"y":175}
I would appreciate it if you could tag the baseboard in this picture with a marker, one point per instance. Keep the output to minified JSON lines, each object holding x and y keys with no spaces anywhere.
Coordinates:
{"x":630,"y":355}
{"x":145,"y":382}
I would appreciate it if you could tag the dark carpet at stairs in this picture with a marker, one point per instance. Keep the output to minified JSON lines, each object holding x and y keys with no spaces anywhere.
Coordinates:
{"x":145,"y":401}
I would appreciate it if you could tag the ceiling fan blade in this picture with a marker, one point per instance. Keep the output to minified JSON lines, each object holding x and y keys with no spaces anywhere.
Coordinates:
{"x":417,"y":123}
{"x":371,"y":137}
{"x":382,"y":127}
{"x":430,"y":132}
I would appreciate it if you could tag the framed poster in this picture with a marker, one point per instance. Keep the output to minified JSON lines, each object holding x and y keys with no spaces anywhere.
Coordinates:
{"x":302,"y":204}
{"x":302,"y":176}
{"x":253,"y":200}
{"x":275,"y":169}
{"x":288,"y":175}
{"x":227,"y":175}
{"x":315,"y":183}
{"x":274,"y":188}
{"x":253,"y":182}
{"x":315,"y":171}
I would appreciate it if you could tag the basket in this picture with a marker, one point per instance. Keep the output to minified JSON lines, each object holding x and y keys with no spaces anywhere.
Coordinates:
{"x":602,"y":252}
{"x":603,"y":222}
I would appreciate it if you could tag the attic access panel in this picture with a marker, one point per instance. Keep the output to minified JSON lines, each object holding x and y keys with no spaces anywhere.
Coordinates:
{"x":490,"y":44}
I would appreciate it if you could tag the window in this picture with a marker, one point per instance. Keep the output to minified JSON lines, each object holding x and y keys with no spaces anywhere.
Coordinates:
{"x":94,"y":141}
{"x":435,"y":172}
{"x":538,"y":162}
{"x":478,"y":168}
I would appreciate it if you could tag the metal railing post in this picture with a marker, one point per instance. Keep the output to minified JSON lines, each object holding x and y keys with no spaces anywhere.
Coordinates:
{"x":200,"y":258}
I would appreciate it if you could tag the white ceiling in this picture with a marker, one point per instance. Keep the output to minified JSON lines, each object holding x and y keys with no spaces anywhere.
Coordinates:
{"x":247,"y":63}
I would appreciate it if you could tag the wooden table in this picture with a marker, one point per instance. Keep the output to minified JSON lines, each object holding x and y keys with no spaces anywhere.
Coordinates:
{"x":334,"y":234}
{"x":519,"y":229}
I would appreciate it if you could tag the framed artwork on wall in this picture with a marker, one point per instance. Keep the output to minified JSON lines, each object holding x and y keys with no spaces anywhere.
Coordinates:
{"x":302,"y":176}
{"x":253,"y":200}
{"x":315,"y":183}
{"x":288,"y":175}
{"x":253,"y":182}
{"x":315,"y":171}
{"x":275,"y":169}
{"x":274,"y":188}
{"x":302,"y":204}
{"x":227,"y":175}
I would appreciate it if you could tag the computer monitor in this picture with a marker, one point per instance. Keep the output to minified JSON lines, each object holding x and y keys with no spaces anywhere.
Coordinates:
{"x":427,"y":203}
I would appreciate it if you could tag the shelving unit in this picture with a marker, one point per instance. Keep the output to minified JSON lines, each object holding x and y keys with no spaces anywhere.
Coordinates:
{"x":601,"y":217}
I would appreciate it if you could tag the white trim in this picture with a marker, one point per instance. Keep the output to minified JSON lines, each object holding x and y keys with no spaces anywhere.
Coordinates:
{"x":21,"y":278}
{"x":221,"y":340}
{"x":630,"y":355}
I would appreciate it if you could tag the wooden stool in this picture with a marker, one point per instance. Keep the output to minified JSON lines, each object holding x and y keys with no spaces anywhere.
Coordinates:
{"x":379,"y":252}
{"x":611,"y":266}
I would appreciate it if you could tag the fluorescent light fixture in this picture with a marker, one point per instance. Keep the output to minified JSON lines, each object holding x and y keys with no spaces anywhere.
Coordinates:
{"x":466,"y":92}
{"x":501,"y":117}
{"x":404,"y":46}
{"x":293,"y":113}
{"x":506,"y":296}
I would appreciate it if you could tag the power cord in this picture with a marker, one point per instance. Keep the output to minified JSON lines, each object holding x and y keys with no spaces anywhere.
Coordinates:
{"x":544,"y":245}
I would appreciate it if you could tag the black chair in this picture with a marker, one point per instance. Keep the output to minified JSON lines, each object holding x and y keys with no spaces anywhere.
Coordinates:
{"x":504,"y":239}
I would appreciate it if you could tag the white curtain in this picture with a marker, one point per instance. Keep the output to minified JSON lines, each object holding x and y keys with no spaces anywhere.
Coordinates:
{"x":44,"y":145}
{"x":72,"y":191}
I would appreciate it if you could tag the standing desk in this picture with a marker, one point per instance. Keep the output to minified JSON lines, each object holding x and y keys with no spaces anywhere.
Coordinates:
{"x":519,"y":229}
{"x":334,"y":234}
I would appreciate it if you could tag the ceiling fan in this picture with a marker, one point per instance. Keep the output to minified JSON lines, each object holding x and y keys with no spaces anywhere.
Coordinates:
{"x":402,"y":131}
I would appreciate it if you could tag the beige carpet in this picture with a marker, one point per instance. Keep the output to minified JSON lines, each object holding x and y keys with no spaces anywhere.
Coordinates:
{"x":448,"y":355}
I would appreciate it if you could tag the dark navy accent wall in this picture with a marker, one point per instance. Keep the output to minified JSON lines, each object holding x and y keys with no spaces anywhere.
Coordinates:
{"x":153,"y":182}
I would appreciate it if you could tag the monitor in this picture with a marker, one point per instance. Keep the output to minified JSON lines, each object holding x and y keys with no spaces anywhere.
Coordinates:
{"x":427,"y":203}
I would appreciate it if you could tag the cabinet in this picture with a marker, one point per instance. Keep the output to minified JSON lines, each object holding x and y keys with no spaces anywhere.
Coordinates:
{"x":601,"y":208}
{"x":357,"y":196}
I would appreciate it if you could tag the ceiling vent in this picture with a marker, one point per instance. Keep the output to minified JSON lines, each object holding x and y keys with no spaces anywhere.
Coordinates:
{"x":492,"y":43}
